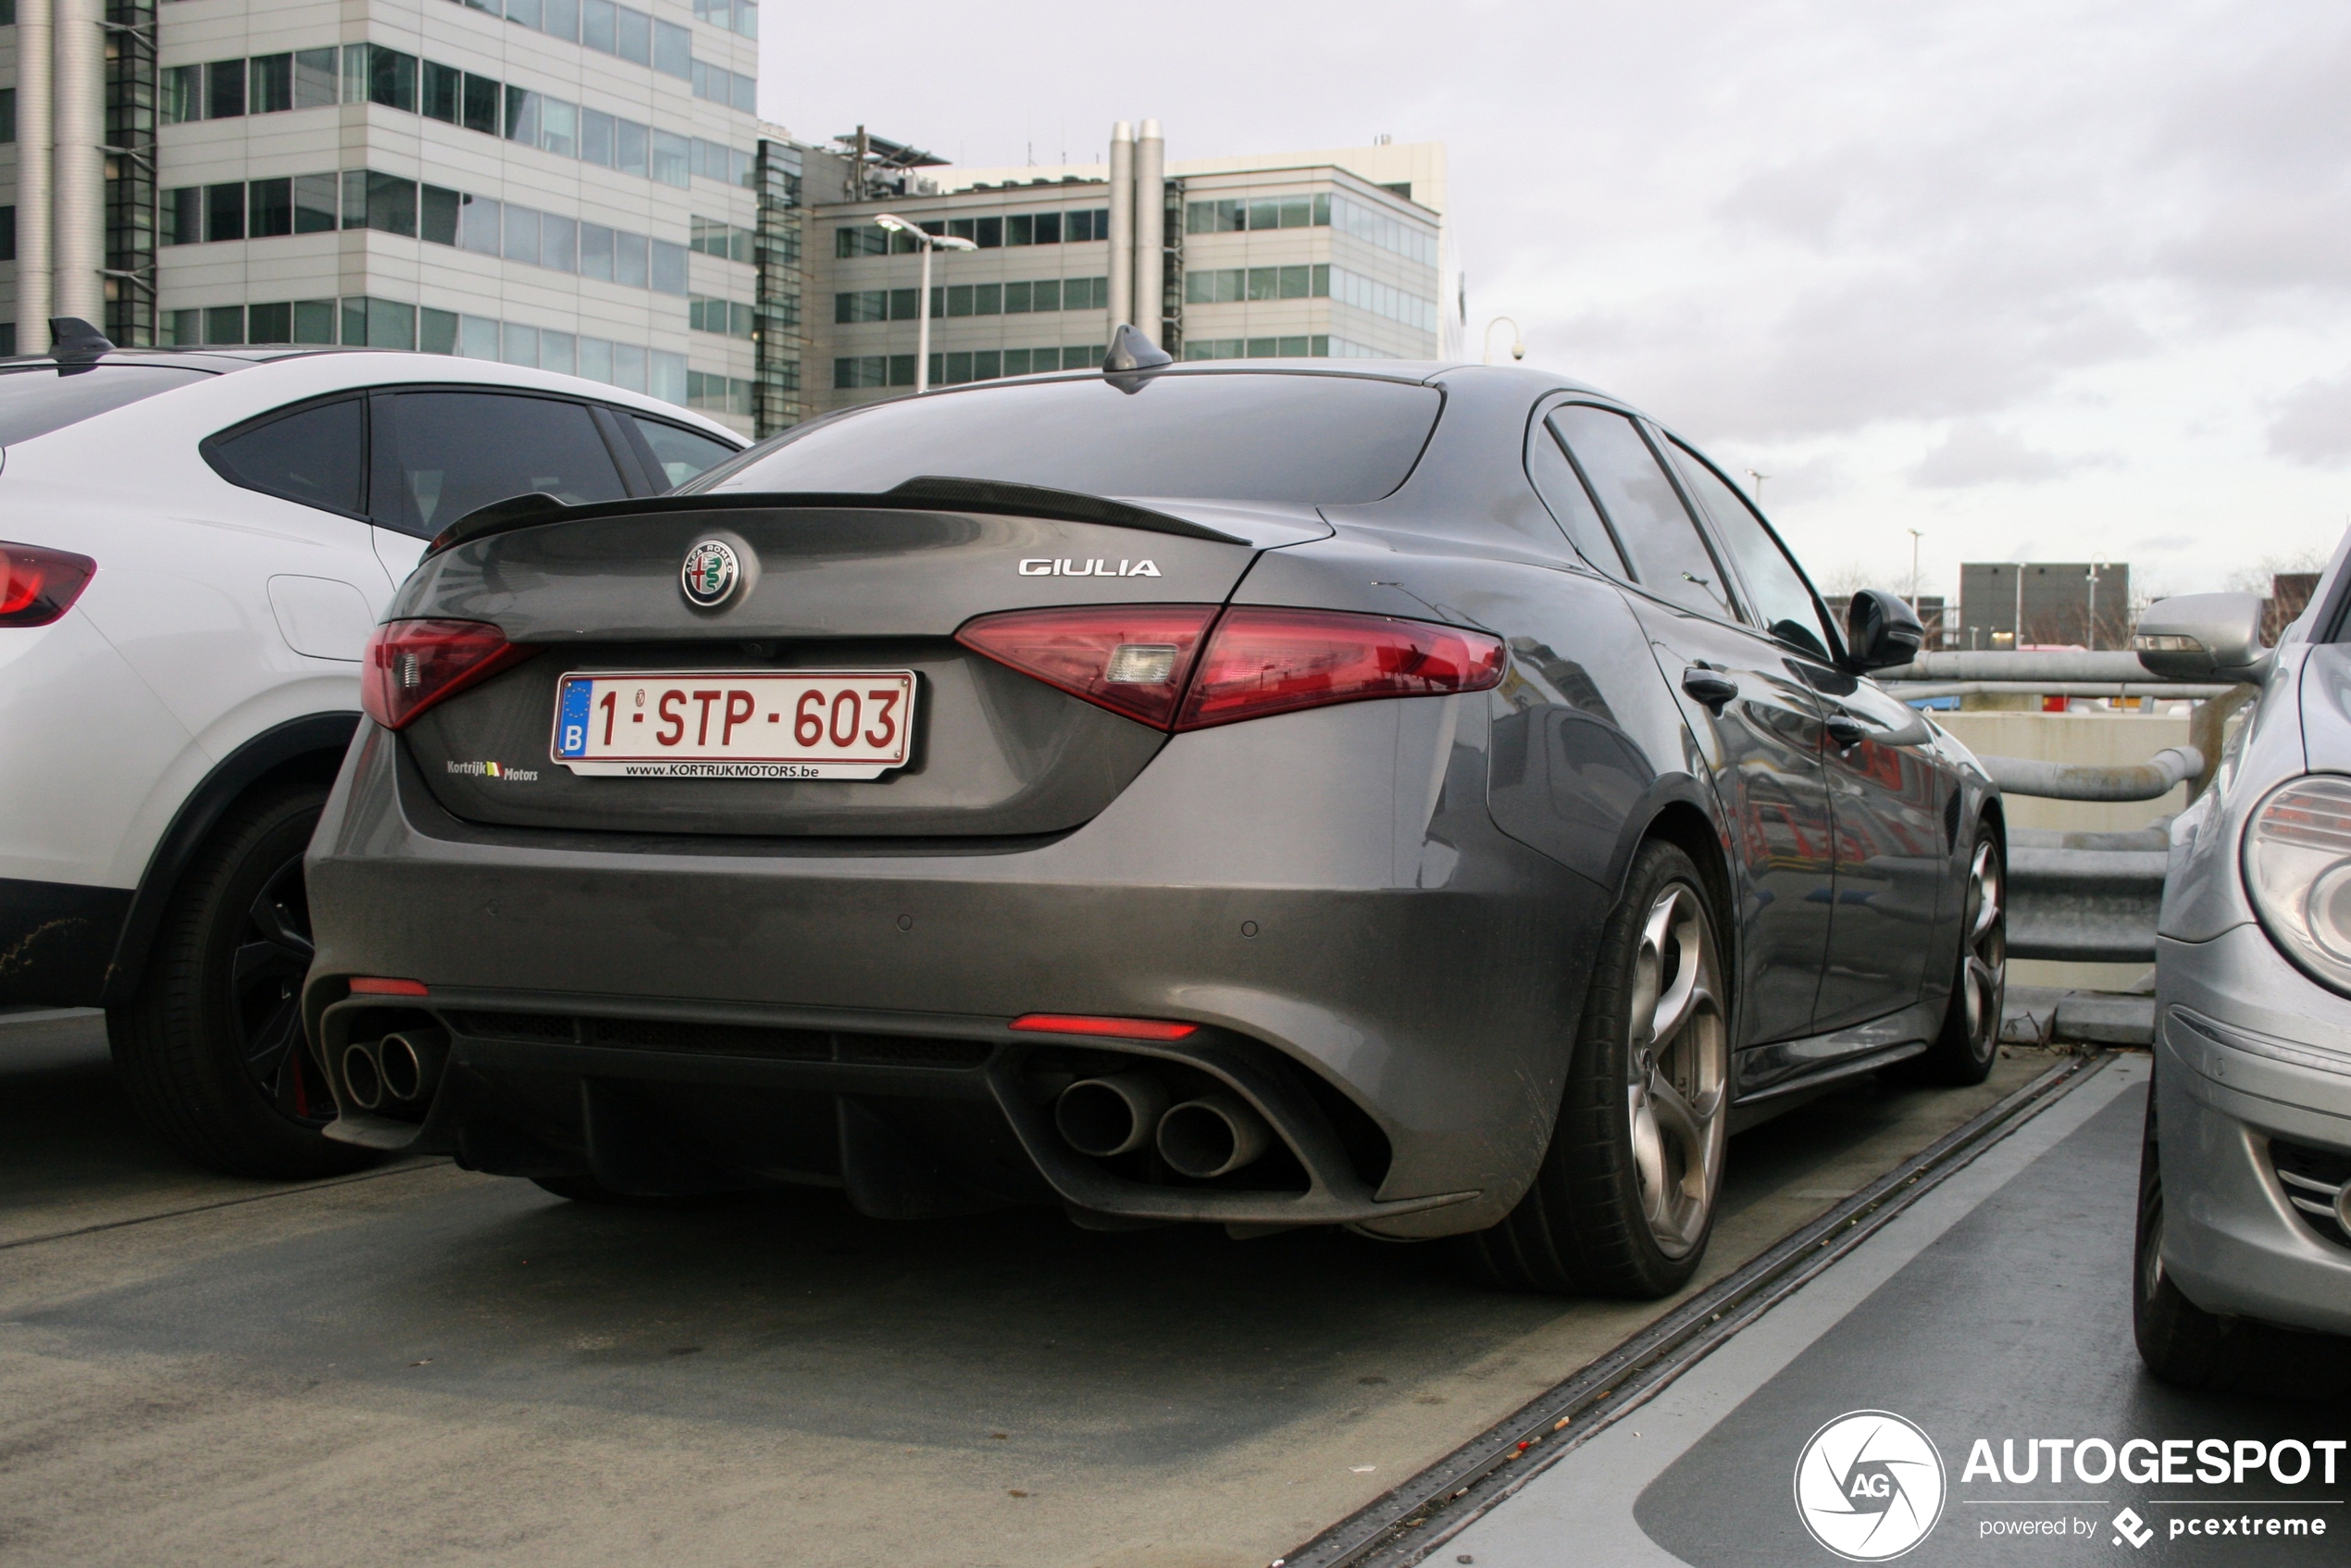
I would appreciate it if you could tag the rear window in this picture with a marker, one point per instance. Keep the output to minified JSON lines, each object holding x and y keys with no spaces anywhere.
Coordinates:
{"x":41,"y":398}
{"x":1230,"y":437}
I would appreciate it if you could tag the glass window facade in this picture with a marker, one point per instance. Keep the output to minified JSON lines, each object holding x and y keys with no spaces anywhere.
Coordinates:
{"x":1380,"y":298}
{"x":359,"y":198}
{"x":1029,"y":297}
{"x":1230,"y":285}
{"x":861,"y":371}
{"x":371,"y":73}
{"x":1076,"y":227}
{"x":1243,"y":215}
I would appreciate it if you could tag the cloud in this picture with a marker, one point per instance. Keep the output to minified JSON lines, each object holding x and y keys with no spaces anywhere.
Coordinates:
{"x":1975,"y":451}
{"x":2313,"y":423}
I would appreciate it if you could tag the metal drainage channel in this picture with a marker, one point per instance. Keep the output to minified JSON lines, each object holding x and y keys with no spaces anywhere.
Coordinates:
{"x":1412,"y":1519}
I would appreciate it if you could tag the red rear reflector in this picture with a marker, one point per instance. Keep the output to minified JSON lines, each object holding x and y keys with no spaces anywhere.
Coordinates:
{"x":371,"y":985}
{"x":37,"y":585}
{"x":1269,"y":661}
{"x":412,"y":664}
{"x":1114,"y":1029}
{"x":1132,"y":659}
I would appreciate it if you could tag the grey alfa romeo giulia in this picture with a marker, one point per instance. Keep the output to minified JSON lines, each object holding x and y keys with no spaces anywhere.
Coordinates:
{"x":1426,"y":799}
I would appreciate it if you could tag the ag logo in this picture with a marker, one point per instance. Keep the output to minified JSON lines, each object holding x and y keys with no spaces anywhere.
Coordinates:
{"x":711,"y":573}
{"x":1868,"y":1486}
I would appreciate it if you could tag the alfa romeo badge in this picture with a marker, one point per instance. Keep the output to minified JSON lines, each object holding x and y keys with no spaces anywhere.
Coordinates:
{"x":711,"y":574}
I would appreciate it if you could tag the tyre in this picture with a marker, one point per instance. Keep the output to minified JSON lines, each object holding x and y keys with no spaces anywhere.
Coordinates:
{"x":2183,"y":1344}
{"x":211,"y":1048}
{"x":1624,"y":1201}
{"x":1962,"y":1053}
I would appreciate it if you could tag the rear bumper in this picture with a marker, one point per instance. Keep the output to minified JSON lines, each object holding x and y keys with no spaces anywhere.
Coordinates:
{"x":2254,"y":1076}
{"x":56,"y":939}
{"x":1355,"y":925}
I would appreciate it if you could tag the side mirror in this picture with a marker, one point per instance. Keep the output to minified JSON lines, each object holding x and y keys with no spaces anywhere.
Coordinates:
{"x":1881,"y":631}
{"x":2203,"y":637}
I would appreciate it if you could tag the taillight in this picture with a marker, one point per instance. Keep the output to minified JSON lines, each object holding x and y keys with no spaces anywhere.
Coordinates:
{"x":1146,"y":661}
{"x":412,"y":664}
{"x":1271,"y":661}
{"x":37,"y":585}
{"x":1132,"y":659}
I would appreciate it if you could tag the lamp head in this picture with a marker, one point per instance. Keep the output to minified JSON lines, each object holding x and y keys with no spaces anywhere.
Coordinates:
{"x":953,"y":243}
{"x":894,"y":223}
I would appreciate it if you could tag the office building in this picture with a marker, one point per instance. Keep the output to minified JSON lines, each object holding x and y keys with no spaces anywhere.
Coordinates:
{"x":576,"y":185}
{"x":1329,"y":255}
{"x":2045,"y":604}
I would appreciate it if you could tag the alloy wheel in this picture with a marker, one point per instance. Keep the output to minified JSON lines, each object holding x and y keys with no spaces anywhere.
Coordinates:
{"x":1984,"y":979}
{"x":265,"y":972}
{"x":1677,"y":1064}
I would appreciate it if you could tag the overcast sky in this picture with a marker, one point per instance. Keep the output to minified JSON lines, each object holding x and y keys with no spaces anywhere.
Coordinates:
{"x":2053,"y":280}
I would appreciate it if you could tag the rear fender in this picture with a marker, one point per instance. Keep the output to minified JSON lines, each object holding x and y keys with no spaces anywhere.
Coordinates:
{"x":311,"y":747}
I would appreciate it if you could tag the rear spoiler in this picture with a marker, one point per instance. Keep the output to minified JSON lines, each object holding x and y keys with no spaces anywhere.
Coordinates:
{"x":930,"y":492}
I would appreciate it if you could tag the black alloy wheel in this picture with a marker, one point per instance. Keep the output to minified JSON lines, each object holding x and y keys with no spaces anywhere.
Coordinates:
{"x":211,"y":1048}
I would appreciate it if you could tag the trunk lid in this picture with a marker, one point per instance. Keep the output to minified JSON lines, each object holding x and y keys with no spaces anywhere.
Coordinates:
{"x":828,"y":586}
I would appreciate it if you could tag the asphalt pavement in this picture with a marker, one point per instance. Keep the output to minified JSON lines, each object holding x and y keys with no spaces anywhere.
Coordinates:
{"x":419,"y":1363}
{"x":1994,"y":1313}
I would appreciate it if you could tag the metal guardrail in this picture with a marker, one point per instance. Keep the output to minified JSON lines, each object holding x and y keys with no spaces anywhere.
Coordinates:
{"x":2150,"y":780}
{"x":2079,"y":896}
{"x":2093,"y":902}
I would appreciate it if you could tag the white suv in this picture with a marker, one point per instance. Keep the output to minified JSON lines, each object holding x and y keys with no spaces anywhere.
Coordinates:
{"x":193,"y":548}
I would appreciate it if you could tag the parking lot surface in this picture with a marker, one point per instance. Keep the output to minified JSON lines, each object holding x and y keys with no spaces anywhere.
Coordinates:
{"x":1997,"y":1309}
{"x":422,"y":1364}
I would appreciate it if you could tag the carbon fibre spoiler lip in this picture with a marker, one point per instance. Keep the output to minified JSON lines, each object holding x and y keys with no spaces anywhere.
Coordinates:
{"x":928,"y":492}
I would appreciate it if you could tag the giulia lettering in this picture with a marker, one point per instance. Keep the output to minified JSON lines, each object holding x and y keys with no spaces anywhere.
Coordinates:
{"x":1097,"y":567}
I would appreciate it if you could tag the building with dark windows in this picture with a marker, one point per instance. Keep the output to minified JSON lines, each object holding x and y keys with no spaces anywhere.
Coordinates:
{"x":576,"y":185}
{"x":1338,"y":254}
{"x":2045,"y":604}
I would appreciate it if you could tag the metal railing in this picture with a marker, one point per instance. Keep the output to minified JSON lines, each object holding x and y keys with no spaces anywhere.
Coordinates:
{"x":2083,"y":896}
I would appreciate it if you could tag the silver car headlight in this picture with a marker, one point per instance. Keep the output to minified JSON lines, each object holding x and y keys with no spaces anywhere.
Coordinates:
{"x":2297,"y":870}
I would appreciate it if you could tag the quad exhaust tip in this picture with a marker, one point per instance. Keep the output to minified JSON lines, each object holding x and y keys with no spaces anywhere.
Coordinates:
{"x":401,"y":1070}
{"x":1211,"y":1135}
{"x":363,"y":1078}
{"x":1110,"y":1116}
{"x":410,"y":1062}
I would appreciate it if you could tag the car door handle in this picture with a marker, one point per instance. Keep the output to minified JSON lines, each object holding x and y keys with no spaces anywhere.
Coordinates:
{"x":1845,"y":730}
{"x":1709,"y":687}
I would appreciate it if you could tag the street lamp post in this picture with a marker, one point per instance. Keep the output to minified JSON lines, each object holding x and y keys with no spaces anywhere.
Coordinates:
{"x":1915,"y":535}
{"x":928,"y":242}
{"x":1518,"y":340}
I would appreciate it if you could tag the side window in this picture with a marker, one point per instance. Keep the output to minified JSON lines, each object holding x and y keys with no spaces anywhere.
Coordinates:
{"x":1569,"y":502}
{"x":438,"y":456}
{"x":313,"y":456}
{"x":1668,"y":555}
{"x":1784,"y":601}
{"x":681,"y":452}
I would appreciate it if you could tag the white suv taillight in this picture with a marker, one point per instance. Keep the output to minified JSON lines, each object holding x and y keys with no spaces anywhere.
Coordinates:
{"x":37,"y":585}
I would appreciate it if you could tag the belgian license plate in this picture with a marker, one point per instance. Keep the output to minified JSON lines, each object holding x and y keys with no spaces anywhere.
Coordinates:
{"x":735,"y":724}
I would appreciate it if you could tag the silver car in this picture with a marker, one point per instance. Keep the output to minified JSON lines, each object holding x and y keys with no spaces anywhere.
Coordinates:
{"x":2245,"y":1211}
